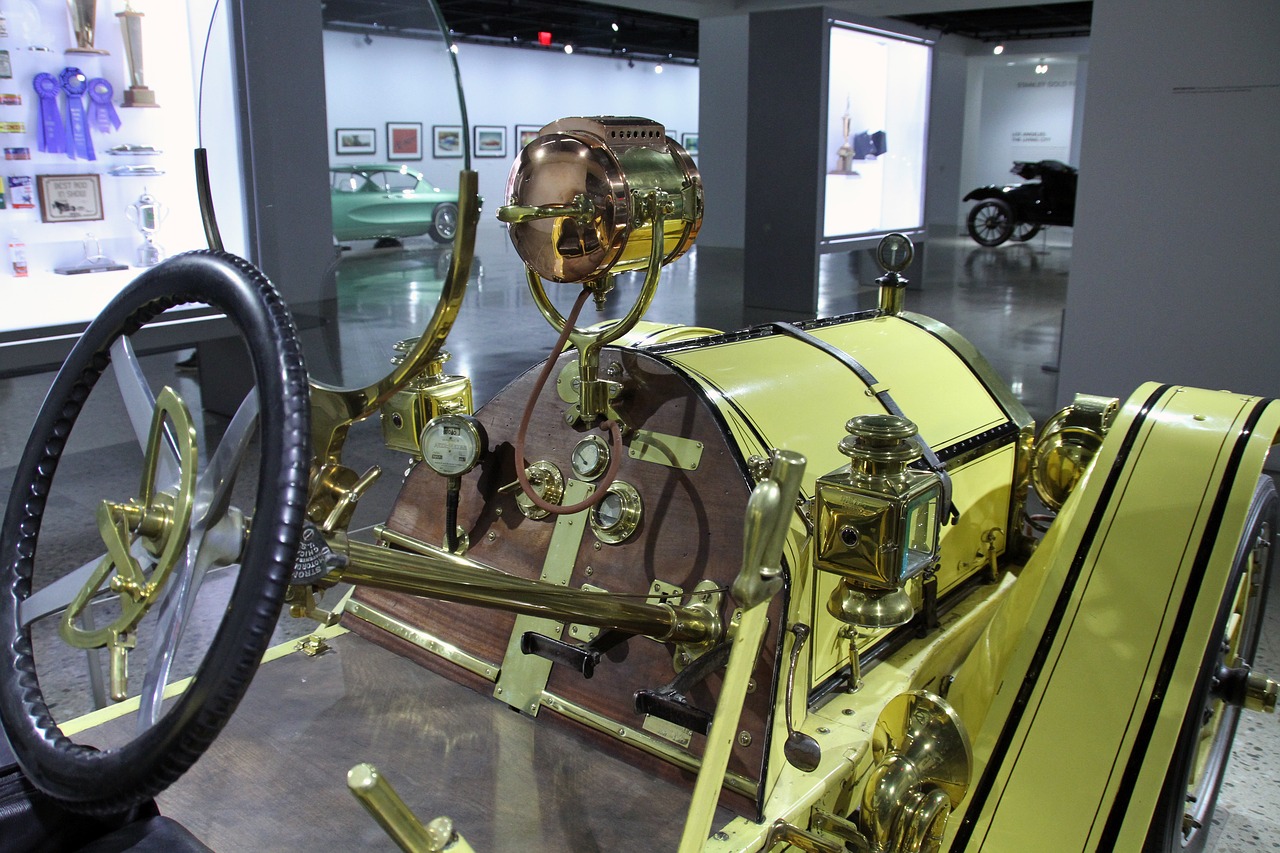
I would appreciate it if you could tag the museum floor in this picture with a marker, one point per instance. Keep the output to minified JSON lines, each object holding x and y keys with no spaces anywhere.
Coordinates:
{"x":306,"y":720}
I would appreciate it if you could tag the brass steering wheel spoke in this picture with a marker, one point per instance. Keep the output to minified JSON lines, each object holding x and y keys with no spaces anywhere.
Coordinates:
{"x":159,"y":520}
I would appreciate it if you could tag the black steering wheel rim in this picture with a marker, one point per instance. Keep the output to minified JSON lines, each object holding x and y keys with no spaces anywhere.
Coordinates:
{"x":110,"y":781}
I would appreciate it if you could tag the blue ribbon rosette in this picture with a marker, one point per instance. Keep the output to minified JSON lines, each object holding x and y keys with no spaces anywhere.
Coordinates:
{"x":102,"y":112}
{"x":75,"y":84}
{"x":52,"y":135}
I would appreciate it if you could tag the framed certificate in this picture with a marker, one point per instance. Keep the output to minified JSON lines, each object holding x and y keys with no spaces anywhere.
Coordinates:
{"x":69,"y":198}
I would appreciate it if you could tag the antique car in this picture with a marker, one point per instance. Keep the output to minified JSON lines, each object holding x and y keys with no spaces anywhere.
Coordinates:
{"x":1019,"y":211}
{"x":387,"y":202}
{"x":787,"y":586}
{"x":793,"y":568}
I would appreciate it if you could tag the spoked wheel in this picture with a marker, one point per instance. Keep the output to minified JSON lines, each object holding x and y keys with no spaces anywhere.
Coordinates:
{"x":164,"y":541}
{"x":991,"y":222}
{"x":1024,"y":231}
{"x":1190,"y":792}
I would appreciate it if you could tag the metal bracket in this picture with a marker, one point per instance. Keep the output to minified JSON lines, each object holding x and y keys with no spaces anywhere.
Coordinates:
{"x":524,"y":677}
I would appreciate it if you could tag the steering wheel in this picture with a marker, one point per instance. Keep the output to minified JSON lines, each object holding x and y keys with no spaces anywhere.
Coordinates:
{"x":161,"y":544}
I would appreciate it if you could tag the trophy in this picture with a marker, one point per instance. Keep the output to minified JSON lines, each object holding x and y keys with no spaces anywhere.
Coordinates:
{"x":147,"y":215}
{"x":844,"y":154}
{"x":84,"y":16}
{"x":137,"y":95}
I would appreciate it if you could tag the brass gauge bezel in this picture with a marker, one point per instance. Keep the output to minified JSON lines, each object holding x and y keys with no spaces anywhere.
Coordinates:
{"x":895,"y":252}
{"x":603,"y":455}
{"x":548,"y":482}
{"x":461,"y":453}
{"x":628,"y":519}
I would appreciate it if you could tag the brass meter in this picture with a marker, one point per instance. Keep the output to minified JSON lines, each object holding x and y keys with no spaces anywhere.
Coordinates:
{"x":878,"y":521}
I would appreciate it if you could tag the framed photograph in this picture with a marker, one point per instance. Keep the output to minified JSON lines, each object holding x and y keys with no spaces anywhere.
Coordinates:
{"x":490,"y":141}
{"x":69,"y":198}
{"x":446,"y":140}
{"x":526,"y":133}
{"x":404,"y":140}
{"x":689,"y":141}
{"x":355,"y":140}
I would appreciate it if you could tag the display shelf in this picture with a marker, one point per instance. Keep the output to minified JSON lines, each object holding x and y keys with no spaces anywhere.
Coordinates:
{"x":44,"y":302}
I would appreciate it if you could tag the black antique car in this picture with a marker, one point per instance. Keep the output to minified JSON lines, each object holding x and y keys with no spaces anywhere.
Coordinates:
{"x":1018,"y":211}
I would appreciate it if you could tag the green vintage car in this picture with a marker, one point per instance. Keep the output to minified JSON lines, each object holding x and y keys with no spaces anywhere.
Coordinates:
{"x":386,"y":202}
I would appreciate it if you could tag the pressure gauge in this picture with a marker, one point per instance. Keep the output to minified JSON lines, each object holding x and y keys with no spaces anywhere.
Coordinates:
{"x":452,"y":444}
{"x":617,"y":515}
{"x":590,"y":457}
{"x":895,"y":252}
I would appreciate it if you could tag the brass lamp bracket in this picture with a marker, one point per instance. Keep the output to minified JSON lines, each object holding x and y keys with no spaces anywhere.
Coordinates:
{"x":595,"y":394}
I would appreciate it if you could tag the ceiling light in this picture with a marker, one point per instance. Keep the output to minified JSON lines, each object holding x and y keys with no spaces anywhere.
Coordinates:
{"x":614,"y":26}
{"x":657,"y":69}
{"x":568,"y":48}
{"x":999,"y":49}
{"x":1042,"y":69}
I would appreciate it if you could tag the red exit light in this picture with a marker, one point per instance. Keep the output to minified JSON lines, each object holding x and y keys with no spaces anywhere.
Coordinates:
{"x":544,"y":38}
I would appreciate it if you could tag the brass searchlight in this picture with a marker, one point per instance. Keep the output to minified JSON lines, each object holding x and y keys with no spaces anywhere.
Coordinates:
{"x":877,"y":522}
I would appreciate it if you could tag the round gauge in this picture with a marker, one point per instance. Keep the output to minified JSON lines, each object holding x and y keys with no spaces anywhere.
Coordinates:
{"x":452,"y":444}
{"x":895,"y":252}
{"x":617,"y":515}
{"x":590,"y":457}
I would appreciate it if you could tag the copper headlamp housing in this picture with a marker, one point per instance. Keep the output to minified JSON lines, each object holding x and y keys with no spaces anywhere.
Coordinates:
{"x":581,"y":198}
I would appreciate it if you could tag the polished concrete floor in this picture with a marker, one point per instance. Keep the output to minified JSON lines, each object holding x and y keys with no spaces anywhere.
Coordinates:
{"x":1008,"y":301}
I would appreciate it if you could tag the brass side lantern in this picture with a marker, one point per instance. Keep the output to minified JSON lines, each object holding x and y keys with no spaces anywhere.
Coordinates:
{"x":878,"y":522}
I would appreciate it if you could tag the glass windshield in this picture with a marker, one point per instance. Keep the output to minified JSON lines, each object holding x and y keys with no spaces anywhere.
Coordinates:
{"x":398,"y":138}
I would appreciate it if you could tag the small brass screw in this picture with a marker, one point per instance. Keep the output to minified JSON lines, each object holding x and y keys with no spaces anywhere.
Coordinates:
{"x":744,"y":738}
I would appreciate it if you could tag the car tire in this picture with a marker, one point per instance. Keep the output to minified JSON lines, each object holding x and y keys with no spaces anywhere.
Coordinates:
{"x":991,"y":222}
{"x":1193,"y":781}
{"x":1024,"y":231}
{"x":444,"y":222}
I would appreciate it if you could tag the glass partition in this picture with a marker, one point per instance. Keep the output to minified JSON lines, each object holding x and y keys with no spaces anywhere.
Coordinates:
{"x":398,"y":138}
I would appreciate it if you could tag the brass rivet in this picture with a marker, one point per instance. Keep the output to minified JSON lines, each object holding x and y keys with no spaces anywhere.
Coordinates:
{"x":491,"y":535}
{"x":590,"y":571}
{"x":751,"y":686}
{"x":744,"y":738}
{"x":848,"y":712}
{"x":823,"y":730}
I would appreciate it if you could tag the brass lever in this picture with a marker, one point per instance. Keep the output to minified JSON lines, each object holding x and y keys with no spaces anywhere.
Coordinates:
{"x":382,"y":802}
{"x":580,"y":209}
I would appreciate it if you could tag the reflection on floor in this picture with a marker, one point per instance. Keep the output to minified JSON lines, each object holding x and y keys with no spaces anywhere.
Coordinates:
{"x":1008,"y":301}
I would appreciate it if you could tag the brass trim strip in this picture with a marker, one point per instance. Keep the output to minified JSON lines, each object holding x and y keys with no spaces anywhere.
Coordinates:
{"x":735,"y":782}
{"x":423,"y":640}
{"x":524,"y":677}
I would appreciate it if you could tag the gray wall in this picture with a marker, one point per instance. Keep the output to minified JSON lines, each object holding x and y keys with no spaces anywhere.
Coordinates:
{"x":285,"y":156}
{"x":1174,"y":271}
{"x":722,"y":109}
{"x":946,"y":135}
{"x":787,"y":88}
